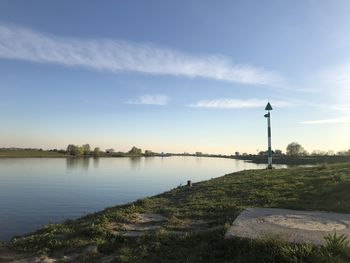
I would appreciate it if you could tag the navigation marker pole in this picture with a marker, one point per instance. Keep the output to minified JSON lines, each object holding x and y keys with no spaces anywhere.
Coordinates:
{"x":269,"y":151}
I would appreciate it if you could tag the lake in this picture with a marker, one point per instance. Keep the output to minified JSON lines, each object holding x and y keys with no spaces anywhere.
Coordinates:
{"x":37,"y":191}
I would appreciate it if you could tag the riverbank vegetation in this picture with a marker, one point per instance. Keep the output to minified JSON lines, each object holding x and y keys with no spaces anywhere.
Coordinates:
{"x":26,"y":153}
{"x":196,"y":218}
{"x":296,"y":155}
{"x":83,"y":151}
{"x":80,"y":151}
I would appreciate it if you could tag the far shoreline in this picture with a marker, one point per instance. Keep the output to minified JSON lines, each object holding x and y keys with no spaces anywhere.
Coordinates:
{"x":40,"y":153}
{"x":257,"y":159}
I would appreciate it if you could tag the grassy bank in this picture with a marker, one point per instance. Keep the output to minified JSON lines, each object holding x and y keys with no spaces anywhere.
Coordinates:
{"x":34,"y":153}
{"x":297,"y":160}
{"x":197,"y":218}
{"x":31,"y":153}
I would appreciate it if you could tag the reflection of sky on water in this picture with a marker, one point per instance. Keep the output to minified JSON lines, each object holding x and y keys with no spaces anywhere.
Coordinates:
{"x":34,"y":191}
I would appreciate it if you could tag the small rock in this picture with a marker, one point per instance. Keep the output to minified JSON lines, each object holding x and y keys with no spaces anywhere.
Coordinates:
{"x":107,"y":259}
{"x":133,"y":234}
{"x":140,"y":227}
{"x":149,"y":218}
{"x":92,"y":249}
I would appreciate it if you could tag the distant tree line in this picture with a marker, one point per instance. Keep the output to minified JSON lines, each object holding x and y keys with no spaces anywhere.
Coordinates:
{"x":83,"y":150}
{"x":296,"y":149}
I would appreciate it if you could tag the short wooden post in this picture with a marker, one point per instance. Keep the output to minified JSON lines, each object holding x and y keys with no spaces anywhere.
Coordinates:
{"x":189,"y":183}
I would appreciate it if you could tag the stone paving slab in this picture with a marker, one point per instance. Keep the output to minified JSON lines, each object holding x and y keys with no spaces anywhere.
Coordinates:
{"x":289,"y":225}
{"x":149,"y":218}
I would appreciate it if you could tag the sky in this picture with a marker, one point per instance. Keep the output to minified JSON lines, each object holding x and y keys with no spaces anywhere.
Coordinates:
{"x":175,"y":76}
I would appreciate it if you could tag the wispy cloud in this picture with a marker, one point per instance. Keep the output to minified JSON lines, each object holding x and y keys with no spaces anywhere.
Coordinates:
{"x":228,"y":103}
{"x":341,"y":120}
{"x":150,"y":100}
{"x":116,"y":56}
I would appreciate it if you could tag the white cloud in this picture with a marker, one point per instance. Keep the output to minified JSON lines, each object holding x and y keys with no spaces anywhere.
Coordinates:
{"x":228,"y":103}
{"x":116,"y":56}
{"x":150,"y":100}
{"x":341,"y":120}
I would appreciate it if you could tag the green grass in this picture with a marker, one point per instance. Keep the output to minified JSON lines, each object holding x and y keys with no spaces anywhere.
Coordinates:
{"x":218,"y":201}
{"x":29,"y":154}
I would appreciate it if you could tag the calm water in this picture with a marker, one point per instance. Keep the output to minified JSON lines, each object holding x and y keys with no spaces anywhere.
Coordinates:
{"x":34,"y":192}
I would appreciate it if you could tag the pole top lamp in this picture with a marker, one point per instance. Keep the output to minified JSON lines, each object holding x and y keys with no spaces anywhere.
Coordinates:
{"x":268,"y":108}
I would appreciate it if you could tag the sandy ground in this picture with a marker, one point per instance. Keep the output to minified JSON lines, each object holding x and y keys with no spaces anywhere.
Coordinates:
{"x":289,"y":225}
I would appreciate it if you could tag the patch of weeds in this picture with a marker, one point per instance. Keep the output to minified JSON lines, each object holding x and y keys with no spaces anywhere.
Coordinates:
{"x":125,"y":254}
{"x":335,"y":243}
{"x":142,"y":202}
{"x":323,"y":166}
{"x":337,"y":178}
{"x":93,"y":231}
{"x":108,"y":246}
{"x":298,"y":252}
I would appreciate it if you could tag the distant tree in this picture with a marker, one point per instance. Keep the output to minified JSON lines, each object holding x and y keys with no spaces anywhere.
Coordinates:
{"x":135,"y":151}
{"x":318,"y":153}
{"x":74,"y":150}
{"x":278,"y":152}
{"x":295,"y":149}
{"x":330,"y":152}
{"x":86,"y":149}
{"x":149,"y":153}
{"x":262,"y":153}
{"x":80,"y":150}
{"x":97,"y":152}
{"x":199,"y":153}
{"x":237,"y":153}
{"x":343,"y":152}
{"x":70,"y":149}
{"x":110,"y":150}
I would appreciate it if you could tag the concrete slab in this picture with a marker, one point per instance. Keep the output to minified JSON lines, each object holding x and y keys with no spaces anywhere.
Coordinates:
{"x":149,"y":218}
{"x":289,"y":225}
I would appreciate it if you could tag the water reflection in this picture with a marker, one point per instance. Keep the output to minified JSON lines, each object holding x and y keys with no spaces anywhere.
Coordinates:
{"x":135,"y":163}
{"x":198,"y":160}
{"x":96,"y":162}
{"x":78,"y":163}
{"x":36,"y":191}
{"x":150,"y":159}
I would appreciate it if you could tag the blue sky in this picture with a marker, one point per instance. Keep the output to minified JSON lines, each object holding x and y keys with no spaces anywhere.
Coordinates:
{"x":175,"y":75}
